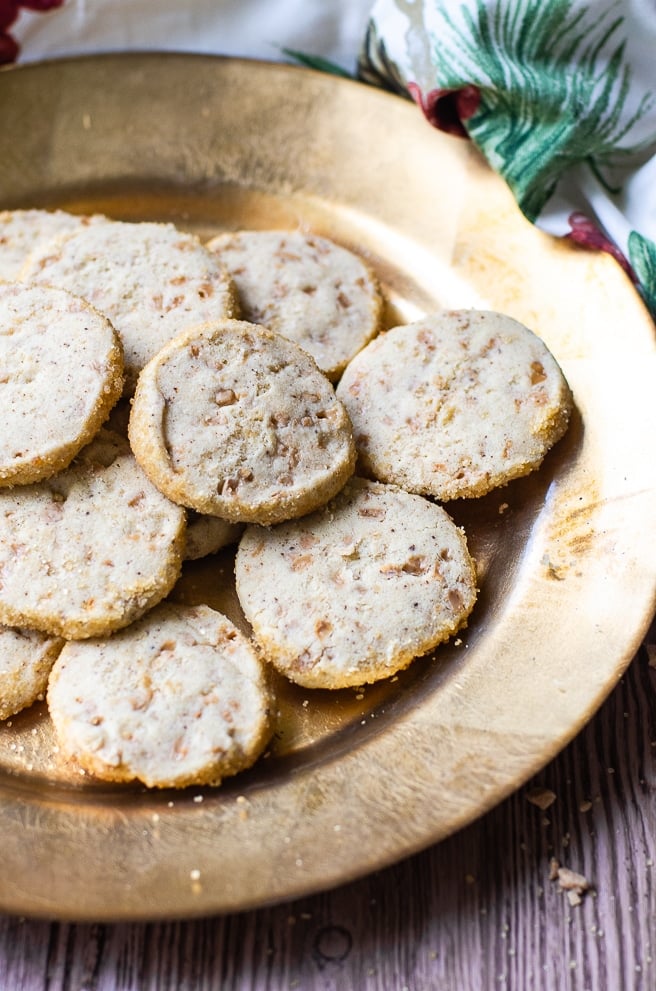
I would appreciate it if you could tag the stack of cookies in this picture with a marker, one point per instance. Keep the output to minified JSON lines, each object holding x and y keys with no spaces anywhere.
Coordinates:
{"x":162,"y":399}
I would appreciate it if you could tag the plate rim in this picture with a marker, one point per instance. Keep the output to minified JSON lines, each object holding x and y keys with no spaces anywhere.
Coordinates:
{"x":24,"y":806}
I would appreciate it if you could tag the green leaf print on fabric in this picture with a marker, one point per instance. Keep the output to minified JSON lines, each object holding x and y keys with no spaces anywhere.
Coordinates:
{"x":316,"y":62}
{"x":375,"y":67}
{"x":642,"y":255}
{"x":537,"y":114}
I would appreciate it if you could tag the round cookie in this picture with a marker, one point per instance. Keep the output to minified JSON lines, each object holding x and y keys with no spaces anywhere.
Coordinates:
{"x":352,"y":593}
{"x":306,"y":288}
{"x":89,"y":550}
{"x":233,"y":420}
{"x":151,"y":280}
{"x":61,"y":371}
{"x":455,"y":404}
{"x":22,"y":230}
{"x":178,"y":698}
{"x":26,"y":658}
{"x":208,"y":534}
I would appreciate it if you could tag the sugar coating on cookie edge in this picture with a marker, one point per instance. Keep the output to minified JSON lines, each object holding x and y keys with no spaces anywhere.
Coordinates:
{"x":306,"y":288}
{"x":236,"y":421}
{"x":61,"y":371}
{"x":150,"y":279}
{"x":26,"y":659}
{"x":89,"y":550}
{"x":178,"y":698}
{"x":455,"y":404}
{"x":355,"y":591}
{"x":22,"y":230}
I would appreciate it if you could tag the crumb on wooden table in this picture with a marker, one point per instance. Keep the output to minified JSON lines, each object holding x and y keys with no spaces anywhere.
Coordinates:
{"x":572,"y":883}
{"x":542,"y":797}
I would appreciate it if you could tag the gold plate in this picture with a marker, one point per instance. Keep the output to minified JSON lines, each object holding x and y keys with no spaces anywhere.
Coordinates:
{"x":567,"y":557}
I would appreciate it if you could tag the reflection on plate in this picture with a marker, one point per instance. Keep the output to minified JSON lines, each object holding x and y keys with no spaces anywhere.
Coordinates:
{"x":355,"y":779}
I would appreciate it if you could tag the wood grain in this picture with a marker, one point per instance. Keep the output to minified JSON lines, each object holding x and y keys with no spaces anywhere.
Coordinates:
{"x":476,"y":911}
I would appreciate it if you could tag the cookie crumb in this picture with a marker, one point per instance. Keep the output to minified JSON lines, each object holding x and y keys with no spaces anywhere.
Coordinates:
{"x":575,"y":885}
{"x":542,"y":797}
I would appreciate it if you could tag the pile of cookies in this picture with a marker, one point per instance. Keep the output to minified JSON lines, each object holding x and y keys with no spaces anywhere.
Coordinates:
{"x":163,"y":398}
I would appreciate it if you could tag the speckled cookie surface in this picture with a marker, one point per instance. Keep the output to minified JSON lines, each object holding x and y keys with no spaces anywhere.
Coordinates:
{"x":89,"y":550}
{"x":61,"y":371}
{"x":236,"y":421}
{"x":26,"y":658}
{"x":353,"y":592}
{"x":455,"y":404}
{"x":22,"y":230}
{"x":151,"y":281}
{"x":178,"y":698}
{"x":208,"y":534}
{"x":305,"y":287}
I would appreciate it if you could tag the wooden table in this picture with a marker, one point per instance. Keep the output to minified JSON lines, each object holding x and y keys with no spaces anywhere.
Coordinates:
{"x":477,"y":911}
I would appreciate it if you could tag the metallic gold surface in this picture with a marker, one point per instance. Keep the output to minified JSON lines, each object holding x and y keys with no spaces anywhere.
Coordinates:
{"x":566,"y":557}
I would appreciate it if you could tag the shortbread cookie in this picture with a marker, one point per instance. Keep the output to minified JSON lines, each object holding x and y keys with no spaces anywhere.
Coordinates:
{"x":305,"y":287}
{"x":151,"y":280}
{"x":235,"y":421}
{"x":355,"y":591}
{"x":179,"y":698}
{"x":208,"y":534}
{"x":90,"y":549}
{"x":455,"y":404}
{"x":61,"y":371}
{"x":22,"y":230}
{"x":26,"y":658}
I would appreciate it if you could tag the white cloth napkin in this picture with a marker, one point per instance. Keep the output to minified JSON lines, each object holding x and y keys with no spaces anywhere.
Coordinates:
{"x":333,"y":29}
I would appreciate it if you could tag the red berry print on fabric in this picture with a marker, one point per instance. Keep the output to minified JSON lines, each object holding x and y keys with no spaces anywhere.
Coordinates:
{"x":584,"y":231}
{"x":446,"y":109}
{"x":9,"y":10}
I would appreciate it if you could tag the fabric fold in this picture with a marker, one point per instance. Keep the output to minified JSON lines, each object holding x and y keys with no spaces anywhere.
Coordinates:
{"x":559,"y":97}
